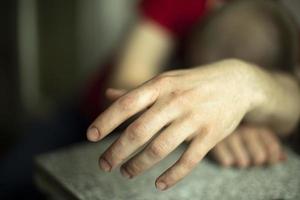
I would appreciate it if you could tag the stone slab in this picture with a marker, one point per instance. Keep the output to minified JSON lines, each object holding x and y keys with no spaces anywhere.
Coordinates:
{"x":73,"y":173}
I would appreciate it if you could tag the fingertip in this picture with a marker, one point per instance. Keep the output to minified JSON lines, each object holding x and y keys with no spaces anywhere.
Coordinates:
{"x":161,"y":185}
{"x":226,"y":163}
{"x":258,"y":162}
{"x":283,"y":157}
{"x":114,"y":91}
{"x":93,"y":134}
{"x":260,"y":159}
{"x":108,"y":91}
{"x":104,"y":165}
{"x":125,"y":173}
{"x":242,"y":164}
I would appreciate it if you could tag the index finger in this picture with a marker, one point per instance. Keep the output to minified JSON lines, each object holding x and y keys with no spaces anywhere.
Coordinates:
{"x":122,"y":109}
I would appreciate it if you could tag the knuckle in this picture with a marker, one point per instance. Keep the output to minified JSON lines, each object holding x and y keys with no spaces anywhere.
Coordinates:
{"x":178,"y":97}
{"x":207,"y":128}
{"x":133,"y":168}
{"x":163,"y":79}
{"x":176,"y":94}
{"x":126,"y":102}
{"x":189,"y":163}
{"x":156,"y":150}
{"x":113,"y":156}
{"x":135,"y":131}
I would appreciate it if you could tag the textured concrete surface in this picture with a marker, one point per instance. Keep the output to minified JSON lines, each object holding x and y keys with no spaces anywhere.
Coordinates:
{"x":73,"y":173}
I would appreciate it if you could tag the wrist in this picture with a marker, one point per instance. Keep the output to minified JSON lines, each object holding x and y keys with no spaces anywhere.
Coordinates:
{"x":245,"y":80}
{"x":262,"y":97}
{"x":255,"y":83}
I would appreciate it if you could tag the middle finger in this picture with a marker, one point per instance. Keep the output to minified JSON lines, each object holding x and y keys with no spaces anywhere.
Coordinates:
{"x":160,"y":147}
{"x":137,"y":134}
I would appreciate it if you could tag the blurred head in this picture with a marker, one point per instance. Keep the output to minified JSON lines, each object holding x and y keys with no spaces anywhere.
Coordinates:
{"x":257,"y":31}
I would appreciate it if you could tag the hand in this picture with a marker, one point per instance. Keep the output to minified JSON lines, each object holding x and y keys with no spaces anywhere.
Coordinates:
{"x":249,"y":146}
{"x":203,"y":105}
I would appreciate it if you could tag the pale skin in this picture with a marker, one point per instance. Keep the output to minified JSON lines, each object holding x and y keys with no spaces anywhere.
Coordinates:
{"x":204,"y":105}
{"x":248,"y":145}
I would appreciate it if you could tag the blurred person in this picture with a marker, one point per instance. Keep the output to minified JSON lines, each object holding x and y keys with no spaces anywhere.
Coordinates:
{"x":243,"y":58}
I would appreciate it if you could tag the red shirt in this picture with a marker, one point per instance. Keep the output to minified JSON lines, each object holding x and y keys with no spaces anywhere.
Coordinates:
{"x":176,"y":16}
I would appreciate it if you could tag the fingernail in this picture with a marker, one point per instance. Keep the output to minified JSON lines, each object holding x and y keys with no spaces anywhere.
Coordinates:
{"x":93,"y":134}
{"x":161,"y":185}
{"x":105,"y":166}
{"x":125,"y":173}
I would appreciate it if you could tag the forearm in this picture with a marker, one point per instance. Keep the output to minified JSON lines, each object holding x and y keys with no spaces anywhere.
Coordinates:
{"x":142,"y":56}
{"x":280,"y":107}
